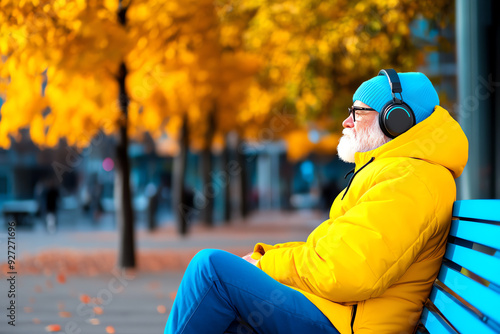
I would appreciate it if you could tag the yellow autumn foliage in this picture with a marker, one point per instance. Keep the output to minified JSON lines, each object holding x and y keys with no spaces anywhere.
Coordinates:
{"x":318,"y":52}
{"x":327,"y":145}
{"x":298,"y":145}
{"x":60,"y":61}
{"x":240,"y":61}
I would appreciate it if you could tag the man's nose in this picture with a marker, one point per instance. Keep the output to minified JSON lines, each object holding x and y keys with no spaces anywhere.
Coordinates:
{"x":348,"y":122}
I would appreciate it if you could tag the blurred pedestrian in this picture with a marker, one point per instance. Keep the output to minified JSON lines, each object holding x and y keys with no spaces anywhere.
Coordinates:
{"x":152,"y":195}
{"x":186,"y":210}
{"x":39,"y":194}
{"x":95,"y":201}
{"x":51,"y":205}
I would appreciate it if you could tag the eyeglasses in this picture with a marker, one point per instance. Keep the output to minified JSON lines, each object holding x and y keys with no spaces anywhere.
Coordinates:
{"x":352,"y":110}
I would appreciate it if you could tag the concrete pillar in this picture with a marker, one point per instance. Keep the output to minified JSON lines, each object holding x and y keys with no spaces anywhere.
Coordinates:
{"x":475,"y":105}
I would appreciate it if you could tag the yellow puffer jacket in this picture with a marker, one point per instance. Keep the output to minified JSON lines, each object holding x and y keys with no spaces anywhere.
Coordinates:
{"x":382,"y":246}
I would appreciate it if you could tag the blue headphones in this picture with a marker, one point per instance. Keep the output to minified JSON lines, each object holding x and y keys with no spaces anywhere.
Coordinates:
{"x":396,"y":117}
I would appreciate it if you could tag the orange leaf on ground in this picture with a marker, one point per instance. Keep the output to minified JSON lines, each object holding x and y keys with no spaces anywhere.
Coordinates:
{"x":98,"y":310}
{"x":28,"y":309}
{"x":32,"y":300}
{"x":85,"y":299}
{"x":61,"y":278}
{"x":36,"y":320}
{"x":64,"y":314}
{"x":161,"y":309}
{"x":53,"y":328}
{"x":94,"y":321}
{"x":110,"y":330}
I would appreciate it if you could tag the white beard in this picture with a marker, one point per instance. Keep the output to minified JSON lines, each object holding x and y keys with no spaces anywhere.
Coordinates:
{"x":363,"y":140}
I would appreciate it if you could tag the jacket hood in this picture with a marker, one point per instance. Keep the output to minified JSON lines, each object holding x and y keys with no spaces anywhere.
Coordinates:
{"x":438,"y":139}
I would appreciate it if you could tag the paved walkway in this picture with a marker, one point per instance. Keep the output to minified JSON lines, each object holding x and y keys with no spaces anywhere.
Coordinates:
{"x":93,"y":252}
{"x":137,"y":304}
{"x":69,"y":279}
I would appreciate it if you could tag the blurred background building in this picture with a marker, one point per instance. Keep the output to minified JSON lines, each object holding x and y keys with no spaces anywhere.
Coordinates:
{"x":467,"y":77}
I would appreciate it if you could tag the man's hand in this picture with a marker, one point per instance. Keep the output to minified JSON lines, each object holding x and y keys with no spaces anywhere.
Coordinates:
{"x":248,"y":258}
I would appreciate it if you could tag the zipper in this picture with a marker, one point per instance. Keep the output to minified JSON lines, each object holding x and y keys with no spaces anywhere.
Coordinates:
{"x":354,"y":309}
{"x":354,"y":175}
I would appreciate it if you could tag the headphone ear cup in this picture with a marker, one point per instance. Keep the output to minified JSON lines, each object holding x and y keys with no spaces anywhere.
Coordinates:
{"x":396,"y":118}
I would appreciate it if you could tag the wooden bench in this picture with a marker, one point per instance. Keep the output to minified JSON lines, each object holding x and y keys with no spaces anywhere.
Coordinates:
{"x":466,"y":296}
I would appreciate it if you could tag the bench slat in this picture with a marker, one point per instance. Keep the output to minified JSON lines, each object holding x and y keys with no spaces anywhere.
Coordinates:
{"x":479,"y":296}
{"x":463,"y":319}
{"x":478,"y":223}
{"x":486,"y":266}
{"x":481,"y":233}
{"x":434,"y":323}
{"x":485,"y":209}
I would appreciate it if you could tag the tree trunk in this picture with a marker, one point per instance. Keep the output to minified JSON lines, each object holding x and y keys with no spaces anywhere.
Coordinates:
{"x":227,"y":186}
{"x":182,"y":199}
{"x":122,"y":193}
{"x":243,"y":180}
{"x":208,"y":190}
{"x":287,"y":173}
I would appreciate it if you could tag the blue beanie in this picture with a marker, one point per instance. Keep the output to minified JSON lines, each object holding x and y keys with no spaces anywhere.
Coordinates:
{"x":418,"y":93}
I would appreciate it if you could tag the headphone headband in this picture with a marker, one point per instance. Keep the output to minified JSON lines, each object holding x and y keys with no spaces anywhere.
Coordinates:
{"x":393,"y":78}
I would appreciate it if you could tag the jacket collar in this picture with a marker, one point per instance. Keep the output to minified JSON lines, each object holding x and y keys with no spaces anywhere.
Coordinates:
{"x":438,"y":139}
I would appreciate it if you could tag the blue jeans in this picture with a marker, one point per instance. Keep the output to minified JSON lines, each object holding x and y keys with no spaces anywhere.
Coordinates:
{"x":222,"y":293}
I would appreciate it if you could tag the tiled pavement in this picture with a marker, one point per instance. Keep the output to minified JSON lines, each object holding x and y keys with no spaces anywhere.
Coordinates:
{"x":51,"y":289}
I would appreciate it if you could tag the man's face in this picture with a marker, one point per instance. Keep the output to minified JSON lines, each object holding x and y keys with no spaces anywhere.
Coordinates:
{"x":362,"y":135}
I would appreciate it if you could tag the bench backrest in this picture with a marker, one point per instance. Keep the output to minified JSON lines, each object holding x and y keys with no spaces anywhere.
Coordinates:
{"x":459,"y":303}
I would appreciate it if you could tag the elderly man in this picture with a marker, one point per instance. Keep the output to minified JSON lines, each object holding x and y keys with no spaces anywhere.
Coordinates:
{"x":371,"y":265}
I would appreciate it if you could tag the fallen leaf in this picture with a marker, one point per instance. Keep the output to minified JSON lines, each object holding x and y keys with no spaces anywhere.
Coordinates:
{"x":64,"y":314}
{"x":161,"y":309}
{"x":53,"y":328}
{"x":110,"y":330}
{"x":94,"y":321}
{"x":98,"y":310}
{"x":36,"y":320}
{"x":32,"y":300}
{"x":61,"y":278}
{"x":85,"y":299}
{"x":28,"y":309}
